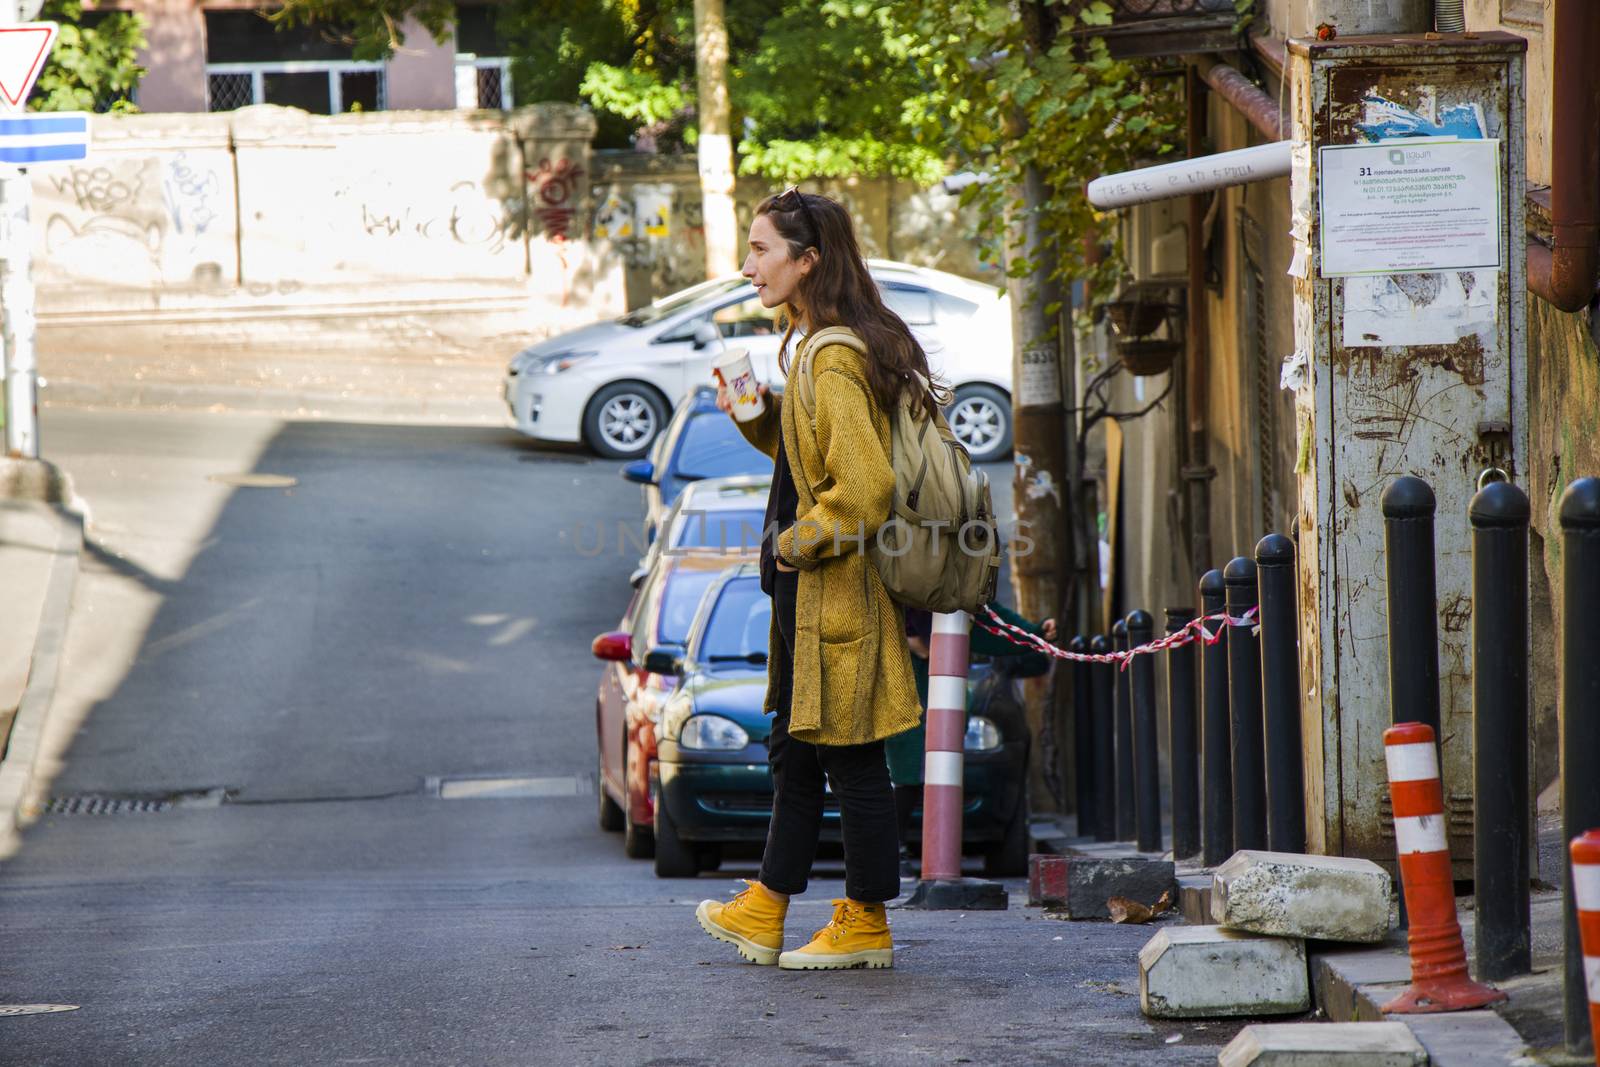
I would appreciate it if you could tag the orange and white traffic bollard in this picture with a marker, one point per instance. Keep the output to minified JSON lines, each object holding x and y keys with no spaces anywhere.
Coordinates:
{"x":1586,"y":899}
{"x":943,"y":766}
{"x":1439,"y":980}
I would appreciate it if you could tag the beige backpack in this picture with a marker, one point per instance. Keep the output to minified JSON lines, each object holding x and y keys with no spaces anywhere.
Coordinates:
{"x":940,"y":548}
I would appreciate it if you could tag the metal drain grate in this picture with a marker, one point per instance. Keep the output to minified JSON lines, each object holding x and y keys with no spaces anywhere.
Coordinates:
{"x":110,"y":804}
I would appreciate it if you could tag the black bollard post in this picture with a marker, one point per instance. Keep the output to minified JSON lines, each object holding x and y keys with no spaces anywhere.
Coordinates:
{"x":1183,"y":740}
{"x":1083,"y":738}
{"x":1216,"y":744}
{"x":1408,"y":507}
{"x":1146,"y":744}
{"x":1503,"y":946}
{"x":1280,"y":694}
{"x":1127,"y":825}
{"x":1580,"y":718}
{"x":1105,"y":747}
{"x":1244,"y":706}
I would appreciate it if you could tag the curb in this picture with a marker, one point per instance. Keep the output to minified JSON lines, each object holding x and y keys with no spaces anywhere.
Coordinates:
{"x":305,"y":404}
{"x":1351,"y":984}
{"x":19,"y":764}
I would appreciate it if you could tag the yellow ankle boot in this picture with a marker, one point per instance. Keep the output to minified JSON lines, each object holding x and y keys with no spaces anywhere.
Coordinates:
{"x":856,"y":936}
{"x":752,"y":922}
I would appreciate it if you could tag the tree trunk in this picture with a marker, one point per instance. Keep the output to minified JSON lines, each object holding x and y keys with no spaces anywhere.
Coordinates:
{"x":716,"y":145}
{"x":1040,"y":573}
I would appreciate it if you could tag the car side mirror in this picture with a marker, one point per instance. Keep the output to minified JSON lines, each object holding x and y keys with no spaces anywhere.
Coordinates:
{"x":641,"y":471}
{"x":668,"y":659}
{"x":615,"y":647}
{"x":706,"y":334}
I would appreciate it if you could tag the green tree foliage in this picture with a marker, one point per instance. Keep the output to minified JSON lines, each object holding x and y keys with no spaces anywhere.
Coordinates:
{"x":1004,"y":93}
{"x":93,"y":66}
{"x":374,"y":29}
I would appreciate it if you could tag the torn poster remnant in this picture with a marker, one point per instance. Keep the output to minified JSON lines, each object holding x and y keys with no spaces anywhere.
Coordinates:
{"x":1436,"y":308}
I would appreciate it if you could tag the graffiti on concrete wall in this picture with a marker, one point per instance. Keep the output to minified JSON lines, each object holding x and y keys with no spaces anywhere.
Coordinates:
{"x":465,"y":216}
{"x":553,"y":191}
{"x":140,"y":221}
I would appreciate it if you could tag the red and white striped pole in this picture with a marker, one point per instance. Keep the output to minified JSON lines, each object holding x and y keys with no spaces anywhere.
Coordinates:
{"x":1439,"y":980}
{"x":1586,"y":902}
{"x":942,"y":769}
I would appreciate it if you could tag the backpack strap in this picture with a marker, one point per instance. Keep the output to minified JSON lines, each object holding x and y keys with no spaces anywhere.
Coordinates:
{"x":805,"y":377}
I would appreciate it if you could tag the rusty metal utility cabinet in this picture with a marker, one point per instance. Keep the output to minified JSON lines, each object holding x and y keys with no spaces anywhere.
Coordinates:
{"x":1420,"y":373}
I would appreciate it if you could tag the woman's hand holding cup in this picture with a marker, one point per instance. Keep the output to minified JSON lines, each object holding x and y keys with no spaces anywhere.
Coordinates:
{"x":725,"y":397}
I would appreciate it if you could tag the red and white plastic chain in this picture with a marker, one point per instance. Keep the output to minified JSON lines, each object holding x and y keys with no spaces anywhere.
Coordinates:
{"x":1193,"y":630}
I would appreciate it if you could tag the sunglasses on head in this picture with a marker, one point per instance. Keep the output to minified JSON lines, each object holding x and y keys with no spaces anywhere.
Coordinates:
{"x":793,"y":193}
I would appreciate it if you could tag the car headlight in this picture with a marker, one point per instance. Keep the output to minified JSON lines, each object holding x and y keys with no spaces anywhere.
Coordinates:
{"x":713,"y":732}
{"x":982,"y":734}
{"x":566,"y":361}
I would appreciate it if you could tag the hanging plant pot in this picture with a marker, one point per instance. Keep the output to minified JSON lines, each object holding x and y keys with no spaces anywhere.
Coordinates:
{"x":1145,"y":358}
{"x":1135,"y":318}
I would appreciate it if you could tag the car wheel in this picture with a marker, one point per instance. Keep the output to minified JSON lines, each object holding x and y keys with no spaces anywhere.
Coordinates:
{"x":638,"y":842}
{"x":623,"y":419}
{"x":675,"y":858}
{"x":611,"y":815}
{"x":1008,"y":858}
{"x":980,"y":417}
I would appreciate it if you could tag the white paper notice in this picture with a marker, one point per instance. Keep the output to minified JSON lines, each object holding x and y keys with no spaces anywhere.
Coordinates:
{"x":1410,"y":206}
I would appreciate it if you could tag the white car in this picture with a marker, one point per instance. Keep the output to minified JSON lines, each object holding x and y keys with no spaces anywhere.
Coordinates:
{"x":613,"y":384}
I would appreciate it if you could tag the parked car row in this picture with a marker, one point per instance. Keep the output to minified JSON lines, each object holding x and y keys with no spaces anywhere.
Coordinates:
{"x":680,"y":729}
{"x":608,"y":385}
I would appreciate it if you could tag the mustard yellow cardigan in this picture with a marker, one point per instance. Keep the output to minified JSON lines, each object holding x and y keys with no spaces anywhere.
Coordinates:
{"x":853,"y":680}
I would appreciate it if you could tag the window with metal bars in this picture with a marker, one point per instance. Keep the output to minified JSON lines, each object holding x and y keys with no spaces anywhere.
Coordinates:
{"x":320,"y":88}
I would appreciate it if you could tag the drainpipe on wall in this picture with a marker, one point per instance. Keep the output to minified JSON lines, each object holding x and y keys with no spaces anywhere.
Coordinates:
{"x":1259,"y":109}
{"x":1566,"y":273}
{"x":1198,"y":472}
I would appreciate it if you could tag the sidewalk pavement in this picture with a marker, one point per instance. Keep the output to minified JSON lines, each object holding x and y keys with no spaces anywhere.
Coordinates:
{"x":40,"y":544}
{"x":1351,"y":983}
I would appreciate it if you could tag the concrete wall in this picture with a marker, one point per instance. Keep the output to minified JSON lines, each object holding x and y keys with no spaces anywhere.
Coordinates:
{"x":183,"y":231}
{"x":894,"y":220}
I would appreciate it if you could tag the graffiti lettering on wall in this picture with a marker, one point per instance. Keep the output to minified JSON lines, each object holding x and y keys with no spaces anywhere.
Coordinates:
{"x":554,"y":188}
{"x":193,"y":194}
{"x":468,"y":217}
{"x":98,"y":189}
{"x":134,"y":221}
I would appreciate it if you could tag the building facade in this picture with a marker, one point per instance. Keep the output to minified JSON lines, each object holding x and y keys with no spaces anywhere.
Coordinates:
{"x":218,"y":55}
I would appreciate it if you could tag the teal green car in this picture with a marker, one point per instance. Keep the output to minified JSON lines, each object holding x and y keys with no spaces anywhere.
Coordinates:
{"x":710,"y":781}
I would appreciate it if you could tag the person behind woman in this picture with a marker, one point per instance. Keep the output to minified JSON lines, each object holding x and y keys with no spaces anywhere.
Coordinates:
{"x":839,"y":678}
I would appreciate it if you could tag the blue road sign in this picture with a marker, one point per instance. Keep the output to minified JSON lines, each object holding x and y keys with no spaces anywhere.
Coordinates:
{"x":44,"y":137}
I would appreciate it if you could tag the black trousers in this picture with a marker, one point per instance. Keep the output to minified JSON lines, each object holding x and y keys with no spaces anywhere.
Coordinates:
{"x":859,"y":775}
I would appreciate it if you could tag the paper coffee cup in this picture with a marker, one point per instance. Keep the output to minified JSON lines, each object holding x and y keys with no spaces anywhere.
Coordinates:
{"x":733,"y":371}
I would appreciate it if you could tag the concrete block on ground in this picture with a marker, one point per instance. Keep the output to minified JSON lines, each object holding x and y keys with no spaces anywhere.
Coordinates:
{"x":1047,"y":880}
{"x":1194,"y":898}
{"x":1197,"y":972}
{"x":1324,"y":1045}
{"x":1329,"y":898}
{"x":1087,"y":882}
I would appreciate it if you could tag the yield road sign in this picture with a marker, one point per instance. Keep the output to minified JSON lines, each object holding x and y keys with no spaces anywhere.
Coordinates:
{"x":44,"y":137}
{"x":23,"y":49}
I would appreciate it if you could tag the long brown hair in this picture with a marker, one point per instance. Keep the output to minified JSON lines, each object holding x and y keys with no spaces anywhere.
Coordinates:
{"x":838,"y":291}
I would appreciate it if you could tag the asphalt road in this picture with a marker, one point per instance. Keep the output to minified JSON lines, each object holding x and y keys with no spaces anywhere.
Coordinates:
{"x":415,"y":607}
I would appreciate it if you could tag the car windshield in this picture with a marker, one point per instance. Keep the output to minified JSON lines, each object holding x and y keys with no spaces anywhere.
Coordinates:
{"x":739,"y":623}
{"x":671,"y":305}
{"x":684,"y":590}
{"x":738,"y":531}
{"x":713,"y":448}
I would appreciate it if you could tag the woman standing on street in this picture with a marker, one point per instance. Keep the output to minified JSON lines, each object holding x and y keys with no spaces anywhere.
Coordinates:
{"x":839,"y":678}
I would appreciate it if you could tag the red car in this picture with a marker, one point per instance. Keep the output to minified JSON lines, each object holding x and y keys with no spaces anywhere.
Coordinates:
{"x":639,"y":674}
